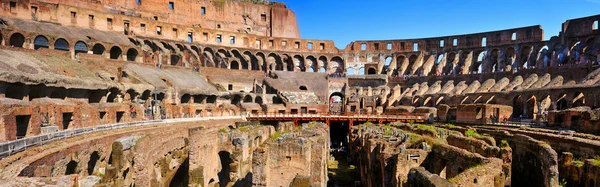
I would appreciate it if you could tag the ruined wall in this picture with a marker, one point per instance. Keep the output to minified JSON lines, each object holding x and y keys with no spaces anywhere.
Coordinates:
{"x":290,"y":157}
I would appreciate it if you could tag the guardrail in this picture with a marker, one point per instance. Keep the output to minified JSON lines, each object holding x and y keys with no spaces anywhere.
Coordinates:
{"x":339,"y":115}
{"x":11,"y":147}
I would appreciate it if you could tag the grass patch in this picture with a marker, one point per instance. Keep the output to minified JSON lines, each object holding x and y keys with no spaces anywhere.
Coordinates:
{"x":223,"y":130}
{"x":596,"y":161}
{"x":243,"y":128}
{"x":426,"y":127}
{"x":277,"y":135}
{"x":472,"y":133}
{"x":578,"y":162}
{"x":504,"y":143}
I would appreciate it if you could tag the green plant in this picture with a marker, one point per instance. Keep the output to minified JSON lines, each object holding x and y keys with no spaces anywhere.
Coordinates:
{"x":426,"y":127}
{"x":563,"y":183}
{"x":223,"y":130}
{"x":312,"y":124}
{"x":596,"y":161}
{"x":472,"y":133}
{"x":578,"y":163}
{"x":504,"y":143}
{"x":277,"y":135}
{"x":368,"y":123}
{"x":243,"y":128}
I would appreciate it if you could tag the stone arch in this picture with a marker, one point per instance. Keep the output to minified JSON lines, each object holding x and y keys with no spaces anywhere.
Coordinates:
{"x":524,"y":56}
{"x":71,"y":168}
{"x":254,"y":62}
{"x":261,"y":60}
{"x":16,"y":40}
{"x":494,"y":66}
{"x":40,"y":41}
{"x":248,"y":99}
{"x":132,"y":54}
{"x":244,"y":64}
{"x":115,"y":52}
{"x":350,"y":71}
{"x":209,"y":56}
{"x":361,"y":71}
{"x":401,"y":65}
{"x":509,"y":58}
{"x":323,"y":64}
{"x":299,"y":63}
{"x":98,"y":49}
{"x":274,"y":62}
{"x":81,"y":47}
{"x":234,"y":65}
{"x":371,"y":71}
{"x":337,"y":65}
{"x":175,"y":59}
{"x":411,"y":62}
{"x":531,"y":107}
{"x":224,"y":174}
{"x":132,"y":94}
{"x":211,"y":99}
{"x":590,"y":54}
{"x":258,"y":100}
{"x":312,"y":63}
{"x":478,"y":65}
{"x":288,"y":62}
{"x":94,"y":157}
{"x":112,"y":95}
{"x":185,"y":98}
{"x":61,"y":44}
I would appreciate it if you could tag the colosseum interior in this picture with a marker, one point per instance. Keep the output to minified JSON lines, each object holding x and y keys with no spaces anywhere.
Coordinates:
{"x":227,"y":93}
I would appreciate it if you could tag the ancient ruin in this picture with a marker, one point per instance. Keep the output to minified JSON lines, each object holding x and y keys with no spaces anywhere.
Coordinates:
{"x":227,"y":93}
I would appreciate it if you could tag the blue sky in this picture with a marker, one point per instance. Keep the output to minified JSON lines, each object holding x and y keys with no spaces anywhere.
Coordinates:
{"x":344,"y":21}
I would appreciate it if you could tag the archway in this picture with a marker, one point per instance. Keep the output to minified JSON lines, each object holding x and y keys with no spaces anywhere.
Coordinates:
{"x":350,"y":71}
{"x":494,"y":60}
{"x":274,"y":62}
{"x":258,"y":100}
{"x":524,"y":61}
{"x":115,"y":52}
{"x":61,"y":44}
{"x":92,"y":162}
{"x":40,"y":42}
{"x":371,"y":71}
{"x":234,"y":65}
{"x":411,"y":62}
{"x":312,"y":63}
{"x":336,"y":102}
{"x":81,"y":47}
{"x":225,"y":159}
{"x":531,"y":108}
{"x":132,"y":54}
{"x":16,"y":40}
{"x":517,"y":107}
{"x":98,"y":49}
{"x":337,"y":65}
{"x":247,"y":99}
{"x":322,"y":64}
{"x":299,"y":63}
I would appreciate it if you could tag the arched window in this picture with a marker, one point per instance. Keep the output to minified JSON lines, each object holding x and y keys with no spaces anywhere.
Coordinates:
{"x":81,"y":47}
{"x":115,"y":53}
{"x":132,"y":54}
{"x":40,"y":42}
{"x":61,"y":44}
{"x":17,"y":40}
{"x":98,"y":49}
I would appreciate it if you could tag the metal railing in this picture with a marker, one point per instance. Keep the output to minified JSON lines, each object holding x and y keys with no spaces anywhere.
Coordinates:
{"x":338,"y":115}
{"x":14,"y":146}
